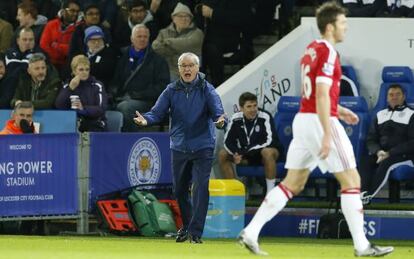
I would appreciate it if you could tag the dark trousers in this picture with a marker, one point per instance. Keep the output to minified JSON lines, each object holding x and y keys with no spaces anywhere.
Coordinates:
{"x":213,"y":60}
{"x":192,"y":168}
{"x":374,"y":176}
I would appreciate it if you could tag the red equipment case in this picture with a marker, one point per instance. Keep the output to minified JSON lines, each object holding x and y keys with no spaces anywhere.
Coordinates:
{"x":115,"y":214}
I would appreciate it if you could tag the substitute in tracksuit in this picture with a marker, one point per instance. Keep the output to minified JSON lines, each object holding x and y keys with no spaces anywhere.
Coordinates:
{"x":251,"y":138}
{"x":194,"y":108}
{"x":390,"y":143}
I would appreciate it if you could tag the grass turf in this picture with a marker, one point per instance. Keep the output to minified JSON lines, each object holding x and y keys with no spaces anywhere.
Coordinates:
{"x":138,"y":247}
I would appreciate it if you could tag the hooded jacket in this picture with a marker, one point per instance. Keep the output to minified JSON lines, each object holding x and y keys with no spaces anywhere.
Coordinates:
{"x":193,"y":109}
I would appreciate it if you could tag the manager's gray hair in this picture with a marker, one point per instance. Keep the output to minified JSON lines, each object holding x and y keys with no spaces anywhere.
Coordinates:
{"x":193,"y":56}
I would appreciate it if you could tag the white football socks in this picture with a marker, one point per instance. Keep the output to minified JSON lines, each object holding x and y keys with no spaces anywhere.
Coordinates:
{"x":274,"y":202}
{"x":352,"y":208}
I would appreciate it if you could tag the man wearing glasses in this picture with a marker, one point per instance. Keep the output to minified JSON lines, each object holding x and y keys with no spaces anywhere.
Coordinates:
{"x":180,"y":36}
{"x":57,"y":34}
{"x":92,"y":16}
{"x":194,"y":107}
{"x":138,"y":13}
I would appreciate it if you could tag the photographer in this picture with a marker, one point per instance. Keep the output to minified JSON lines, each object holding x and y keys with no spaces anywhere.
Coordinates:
{"x":21,"y":121}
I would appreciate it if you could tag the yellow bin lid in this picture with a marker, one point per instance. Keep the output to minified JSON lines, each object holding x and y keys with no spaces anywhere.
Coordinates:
{"x":226,"y":187}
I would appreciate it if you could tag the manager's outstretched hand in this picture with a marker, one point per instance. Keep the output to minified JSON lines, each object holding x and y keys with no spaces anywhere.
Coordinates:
{"x":140,"y":120}
{"x":220,"y":121}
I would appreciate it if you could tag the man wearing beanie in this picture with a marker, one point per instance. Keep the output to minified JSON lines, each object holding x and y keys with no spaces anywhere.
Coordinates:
{"x":101,"y":56}
{"x":180,"y":36}
{"x":92,"y":16}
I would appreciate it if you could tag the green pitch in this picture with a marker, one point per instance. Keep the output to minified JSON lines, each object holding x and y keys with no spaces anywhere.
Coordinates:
{"x":60,"y":247}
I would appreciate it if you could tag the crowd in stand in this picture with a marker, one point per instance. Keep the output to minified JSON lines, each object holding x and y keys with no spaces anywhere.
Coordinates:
{"x":132,"y":47}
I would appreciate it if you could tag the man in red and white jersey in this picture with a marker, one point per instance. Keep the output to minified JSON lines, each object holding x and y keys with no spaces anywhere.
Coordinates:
{"x":319,"y":140}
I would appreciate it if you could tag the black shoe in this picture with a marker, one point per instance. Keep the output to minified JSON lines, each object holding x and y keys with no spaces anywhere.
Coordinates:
{"x":195,"y":240}
{"x":182,"y":236}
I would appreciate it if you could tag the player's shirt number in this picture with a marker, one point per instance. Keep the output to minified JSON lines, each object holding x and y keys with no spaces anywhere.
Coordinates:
{"x":306,"y":81}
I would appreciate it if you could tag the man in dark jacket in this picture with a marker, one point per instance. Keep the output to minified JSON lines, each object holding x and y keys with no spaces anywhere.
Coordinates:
{"x":194,"y":105}
{"x":38,"y":84}
{"x":227,"y":25}
{"x":101,"y":55}
{"x":92,"y":18}
{"x":251,"y":139}
{"x":17,"y":56}
{"x":138,"y":13}
{"x":390,"y":142}
{"x":140,"y":78}
{"x":7,"y":84}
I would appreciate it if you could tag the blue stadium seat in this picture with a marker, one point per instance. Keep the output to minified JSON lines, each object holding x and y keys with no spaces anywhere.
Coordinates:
{"x":357,"y":133}
{"x":287,"y":108}
{"x":350,"y":80}
{"x":403,"y":76}
{"x":391,"y":75}
{"x":399,"y":174}
{"x":51,"y":121}
{"x":114,"y":121}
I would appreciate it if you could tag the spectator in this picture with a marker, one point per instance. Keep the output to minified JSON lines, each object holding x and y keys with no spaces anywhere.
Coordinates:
{"x":140,"y":77}
{"x":108,"y":10}
{"x":194,"y":106}
{"x":180,"y":36}
{"x":38,"y":84}
{"x":6,"y":84}
{"x":6,"y":35}
{"x":401,"y":8}
{"x":251,"y":139}
{"x":28,"y":17}
{"x":390,"y":141}
{"x":265,"y":14}
{"x":48,"y":8}
{"x":8,"y":9}
{"x":57,"y":34}
{"x":226,"y":21}
{"x":18,"y":57}
{"x":101,"y":56}
{"x":92,"y":16}
{"x":371,"y":8}
{"x":138,"y":13}
{"x":21,"y":120}
{"x":86,"y":95}
{"x":161,"y":10}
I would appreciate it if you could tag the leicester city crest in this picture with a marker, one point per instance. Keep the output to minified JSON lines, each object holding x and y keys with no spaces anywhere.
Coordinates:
{"x":144,"y":162}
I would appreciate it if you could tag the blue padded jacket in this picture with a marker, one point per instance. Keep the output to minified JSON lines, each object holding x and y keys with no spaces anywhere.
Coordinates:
{"x":192,"y":108}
